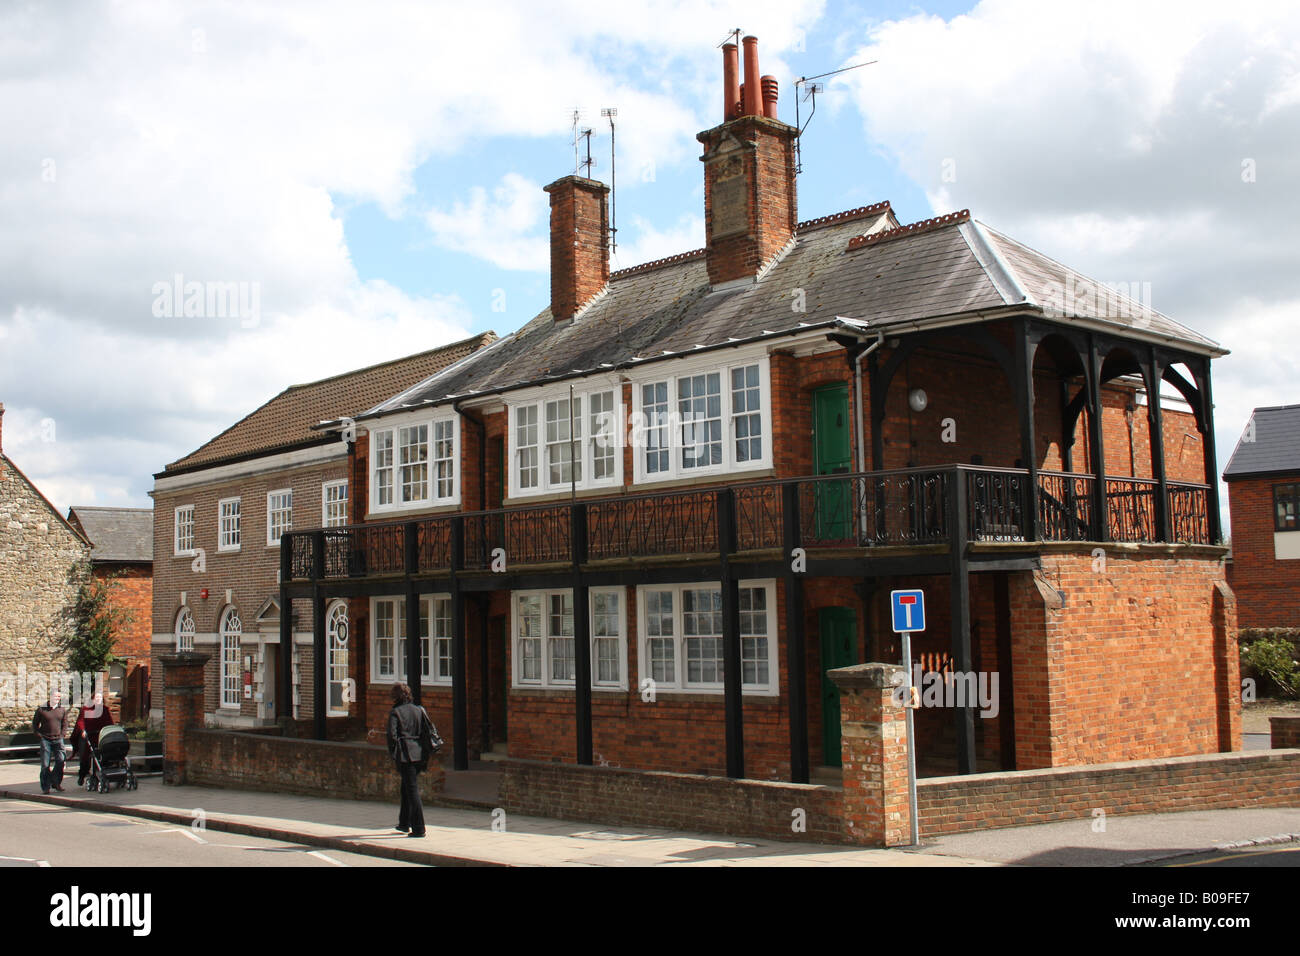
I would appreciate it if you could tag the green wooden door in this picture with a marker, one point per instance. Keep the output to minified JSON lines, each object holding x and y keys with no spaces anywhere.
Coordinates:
{"x":832,"y":455}
{"x":839,"y":634}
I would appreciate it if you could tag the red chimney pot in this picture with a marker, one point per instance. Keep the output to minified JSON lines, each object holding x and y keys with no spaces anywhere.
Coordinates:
{"x":752,"y":91}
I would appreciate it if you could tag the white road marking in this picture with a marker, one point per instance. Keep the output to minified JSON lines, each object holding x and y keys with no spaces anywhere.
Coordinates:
{"x":328,"y":859}
{"x":193,"y":836}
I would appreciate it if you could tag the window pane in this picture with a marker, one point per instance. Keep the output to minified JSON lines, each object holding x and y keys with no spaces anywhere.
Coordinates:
{"x":746,"y":413}
{"x":444,"y":464}
{"x":526,"y":445}
{"x":654,"y":409}
{"x":699,"y":404}
{"x":563,"y":433}
{"x":603,"y":435}
{"x":383,"y":452}
{"x":413,"y":461}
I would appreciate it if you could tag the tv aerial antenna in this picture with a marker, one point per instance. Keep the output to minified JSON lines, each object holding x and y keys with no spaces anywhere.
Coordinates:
{"x":609,"y":112}
{"x":810,"y":90}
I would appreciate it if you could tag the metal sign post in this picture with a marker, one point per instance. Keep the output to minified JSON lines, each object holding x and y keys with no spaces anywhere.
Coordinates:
{"x":909,"y":615}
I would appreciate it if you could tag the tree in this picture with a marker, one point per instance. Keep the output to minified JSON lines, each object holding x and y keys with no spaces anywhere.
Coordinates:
{"x":94,"y":622}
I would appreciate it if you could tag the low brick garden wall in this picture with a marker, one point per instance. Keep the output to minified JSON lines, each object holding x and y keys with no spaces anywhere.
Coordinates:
{"x":678,"y":801}
{"x":1284,"y":732}
{"x":1016,"y":798}
{"x":317,"y":768}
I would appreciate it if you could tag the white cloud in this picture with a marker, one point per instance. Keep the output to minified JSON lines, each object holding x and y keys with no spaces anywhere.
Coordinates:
{"x":507,"y":228}
{"x":1115,"y":136}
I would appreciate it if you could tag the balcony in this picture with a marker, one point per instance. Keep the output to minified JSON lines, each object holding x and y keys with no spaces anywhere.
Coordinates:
{"x":908,"y":508}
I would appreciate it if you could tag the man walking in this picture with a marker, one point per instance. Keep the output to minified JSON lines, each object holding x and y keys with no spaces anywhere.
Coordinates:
{"x":412,"y":740}
{"x":51,"y":724}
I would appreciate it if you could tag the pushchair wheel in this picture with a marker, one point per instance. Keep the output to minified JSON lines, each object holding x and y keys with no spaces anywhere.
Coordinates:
{"x":103,"y":786}
{"x":133,"y":784}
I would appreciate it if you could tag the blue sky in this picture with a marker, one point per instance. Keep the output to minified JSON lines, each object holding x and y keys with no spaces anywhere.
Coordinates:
{"x":375,"y":173}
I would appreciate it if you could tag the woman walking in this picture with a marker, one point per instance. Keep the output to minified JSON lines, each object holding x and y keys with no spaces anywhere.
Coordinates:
{"x":85,"y":733}
{"x":411,"y":739}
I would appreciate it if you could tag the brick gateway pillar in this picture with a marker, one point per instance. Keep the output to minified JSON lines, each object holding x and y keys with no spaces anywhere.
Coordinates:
{"x":182,"y":708}
{"x":873,"y":742}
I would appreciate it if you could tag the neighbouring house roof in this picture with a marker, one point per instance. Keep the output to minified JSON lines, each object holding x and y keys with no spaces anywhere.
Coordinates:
{"x":116,"y":534}
{"x":857,"y":264}
{"x":1269,"y":444}
{"x":285,"y":422}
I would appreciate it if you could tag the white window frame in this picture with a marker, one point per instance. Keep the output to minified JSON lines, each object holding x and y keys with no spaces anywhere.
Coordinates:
{"x":184,"y":646}
{"x":231,"y":672}
{"x":679,"y":685}
{"x":546,"y":681}
{"x":672,"y":373}
{"x":229,"y":541}
{"x":325,"y":502}
{"x":336,"y":645}
{"x":391,"y":430}
{"x":538,"y":399}
{"x":272,"y":539}
{"x":429,"y":675}
{"x":177,"y":550}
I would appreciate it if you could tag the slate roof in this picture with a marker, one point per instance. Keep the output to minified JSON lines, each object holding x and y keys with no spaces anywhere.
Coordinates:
{"x":285,"y":422}
{"x":1276,"y":447}
{"x":900,"y":278}
{"x":116,"y":534}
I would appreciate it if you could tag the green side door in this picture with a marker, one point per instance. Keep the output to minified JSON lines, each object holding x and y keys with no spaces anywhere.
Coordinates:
{"x":832,"y":455}
{"x":839,"y":632}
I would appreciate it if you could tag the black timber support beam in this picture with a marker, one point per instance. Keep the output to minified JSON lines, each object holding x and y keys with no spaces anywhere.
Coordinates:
{"x":795,"y":640}
{"x":284,"y":682}
{"x":459,"y":695}
{"x":581,"y":636}
{"x":733,"y":703}
{"x":959,"y":587}
{"x":1100,"y":509}
{"x":414,"y":639}
{"x":1156,"y":434}
{"x":319,"y":662}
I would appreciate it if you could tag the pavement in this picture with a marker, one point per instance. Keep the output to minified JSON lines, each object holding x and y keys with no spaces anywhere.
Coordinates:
{"x":482,"y":835}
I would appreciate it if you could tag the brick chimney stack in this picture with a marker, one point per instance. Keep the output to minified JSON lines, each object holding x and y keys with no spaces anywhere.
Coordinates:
{"x":579,"y":243}
{"x":750,"y":204}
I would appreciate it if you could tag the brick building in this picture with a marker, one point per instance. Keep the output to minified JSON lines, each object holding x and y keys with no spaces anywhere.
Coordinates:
{"x":1263,"y":478}
{"x":121,"y":552}
{"x":218,"y":515}
{"x":41,"y":559}
{"x":639,"y":530}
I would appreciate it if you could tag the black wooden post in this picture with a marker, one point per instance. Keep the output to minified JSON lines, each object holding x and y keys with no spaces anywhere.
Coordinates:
{"x":1211,"y":455}
{"x":1100,"y":509}
{"x":960,"y":613}
{"x":414,"y":655}
{"x":795,"y":645}
{"x":1156,"y":431}
{"x":459,"y":697}
{"x":581,"y":635}
{"x":731,"y":672}
{"x":319,"y":662}
{"x":285,"y":682}
{"x":1028,"y":447}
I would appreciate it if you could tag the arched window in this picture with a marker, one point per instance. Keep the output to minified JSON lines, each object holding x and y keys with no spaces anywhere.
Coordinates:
{"x":184,"y":631}
{"x":232,"y":632}
{"x":336,"y":632}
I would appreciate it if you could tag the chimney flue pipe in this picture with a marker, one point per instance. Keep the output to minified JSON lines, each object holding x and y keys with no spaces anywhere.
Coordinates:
{"x":730,"y":82}
{"x":753,"y":87}
{"x":770,"y":96}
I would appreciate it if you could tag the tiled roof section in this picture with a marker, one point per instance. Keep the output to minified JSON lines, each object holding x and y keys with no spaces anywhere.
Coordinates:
{"x":669,"y":308}
{"x":1275,"y":446}
{"x":116,"y":534}
{"x":657,"y":264}
{"x":286,"y":419}
{"x":1060,"y":290}
{"x":848,"y":215}
{"x":925,"y":225}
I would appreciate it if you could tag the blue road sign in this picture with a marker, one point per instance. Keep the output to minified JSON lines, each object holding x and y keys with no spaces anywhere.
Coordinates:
{"x":909,"y":610}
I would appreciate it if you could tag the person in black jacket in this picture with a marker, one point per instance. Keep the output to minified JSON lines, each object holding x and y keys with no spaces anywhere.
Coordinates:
{"x":411,"y":744}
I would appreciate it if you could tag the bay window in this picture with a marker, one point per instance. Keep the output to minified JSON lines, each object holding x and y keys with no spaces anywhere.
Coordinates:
{"x":703,"y":420}
{"x":415,"y":464}
{"x":544,"y":649}
{"x":563,"y":441}
{"x":681,"y":640}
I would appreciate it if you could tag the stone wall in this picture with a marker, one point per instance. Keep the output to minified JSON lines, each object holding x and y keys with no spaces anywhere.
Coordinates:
{"x":37,"y":553}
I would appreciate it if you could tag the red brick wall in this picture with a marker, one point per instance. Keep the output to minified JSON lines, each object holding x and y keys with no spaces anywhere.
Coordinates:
{"x":675,"y":800}
{"x":985,"y":801}
{"x":1284,"y":732}
{"x":1135,"y":665}
{"x":1268,"y":590}
{"x":358,"y":771}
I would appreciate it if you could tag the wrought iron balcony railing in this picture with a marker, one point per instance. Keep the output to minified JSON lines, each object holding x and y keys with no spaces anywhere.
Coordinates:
{"x":907,"y":507}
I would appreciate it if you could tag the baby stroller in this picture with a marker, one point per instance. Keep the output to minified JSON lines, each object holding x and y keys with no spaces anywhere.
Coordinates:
{"x":109,"y":764}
